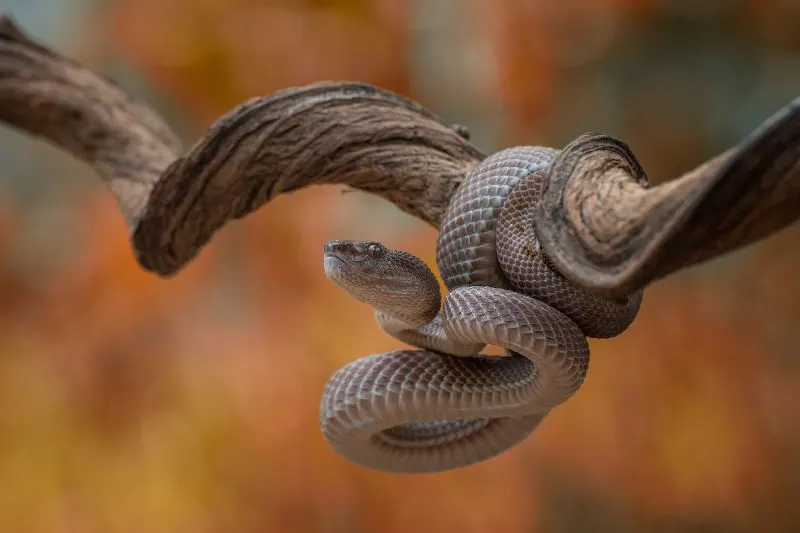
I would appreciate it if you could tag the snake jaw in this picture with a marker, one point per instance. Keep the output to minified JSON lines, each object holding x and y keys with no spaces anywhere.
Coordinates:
{"x":332,"y":265}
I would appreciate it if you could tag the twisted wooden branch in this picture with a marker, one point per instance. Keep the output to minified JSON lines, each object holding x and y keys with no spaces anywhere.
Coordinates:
{"x":605,"y":230}
{"x":598,"y":221}
{"x":98,"y":122}
{"x":346,"y":133}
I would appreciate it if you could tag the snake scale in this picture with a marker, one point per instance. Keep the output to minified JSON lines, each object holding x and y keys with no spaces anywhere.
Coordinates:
{"x":445,"y":405}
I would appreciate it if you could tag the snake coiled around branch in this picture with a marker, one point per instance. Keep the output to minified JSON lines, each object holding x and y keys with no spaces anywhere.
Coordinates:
{"x":445,"y":406}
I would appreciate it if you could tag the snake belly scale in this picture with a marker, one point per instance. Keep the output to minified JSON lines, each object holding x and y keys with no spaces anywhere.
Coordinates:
{"x":445,"y":405}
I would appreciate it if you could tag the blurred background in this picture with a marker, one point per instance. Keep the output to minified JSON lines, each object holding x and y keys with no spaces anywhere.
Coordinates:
{"x":133,"y":404}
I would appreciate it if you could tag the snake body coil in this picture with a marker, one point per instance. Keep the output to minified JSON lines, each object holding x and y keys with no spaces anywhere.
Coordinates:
{"x":446,"y":406}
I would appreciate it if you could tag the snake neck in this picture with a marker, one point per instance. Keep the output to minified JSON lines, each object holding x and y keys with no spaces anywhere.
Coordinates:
{"x":416,"y":314}
{"x":429,"y":336}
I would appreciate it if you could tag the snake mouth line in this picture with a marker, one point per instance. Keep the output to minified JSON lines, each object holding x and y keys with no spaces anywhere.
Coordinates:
{"x":332,"y":261}
{"x":334,"y":257}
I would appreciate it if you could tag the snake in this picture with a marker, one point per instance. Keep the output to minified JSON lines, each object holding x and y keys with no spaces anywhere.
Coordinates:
{"x":447,"y":405}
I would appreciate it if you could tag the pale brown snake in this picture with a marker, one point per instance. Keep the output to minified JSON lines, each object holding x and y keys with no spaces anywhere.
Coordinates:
{"x":445,"y":406}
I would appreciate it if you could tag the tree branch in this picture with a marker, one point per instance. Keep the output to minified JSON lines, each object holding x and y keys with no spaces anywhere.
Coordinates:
{"x":605,"y":230}
{"x":598,"y":221}
{"x":345,"y":133}
{"x":92,"y":118}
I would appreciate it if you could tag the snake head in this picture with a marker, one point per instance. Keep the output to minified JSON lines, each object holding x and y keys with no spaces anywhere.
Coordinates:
{"x":366,"y":254}
{"x":391,"y":281}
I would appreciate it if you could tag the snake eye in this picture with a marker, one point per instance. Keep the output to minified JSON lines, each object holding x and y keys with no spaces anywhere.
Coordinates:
{"x":374,"y":250}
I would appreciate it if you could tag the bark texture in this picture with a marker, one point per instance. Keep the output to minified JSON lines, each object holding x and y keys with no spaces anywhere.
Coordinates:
{"x":344,"y":133}
{"x":607,"y":231}
{"x":56,"y":99}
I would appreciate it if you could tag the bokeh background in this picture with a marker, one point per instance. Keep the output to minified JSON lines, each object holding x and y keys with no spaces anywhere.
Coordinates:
{"x":131,"y":403}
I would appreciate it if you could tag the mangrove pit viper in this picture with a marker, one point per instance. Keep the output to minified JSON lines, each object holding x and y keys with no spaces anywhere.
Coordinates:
{"x":446,"y":406}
